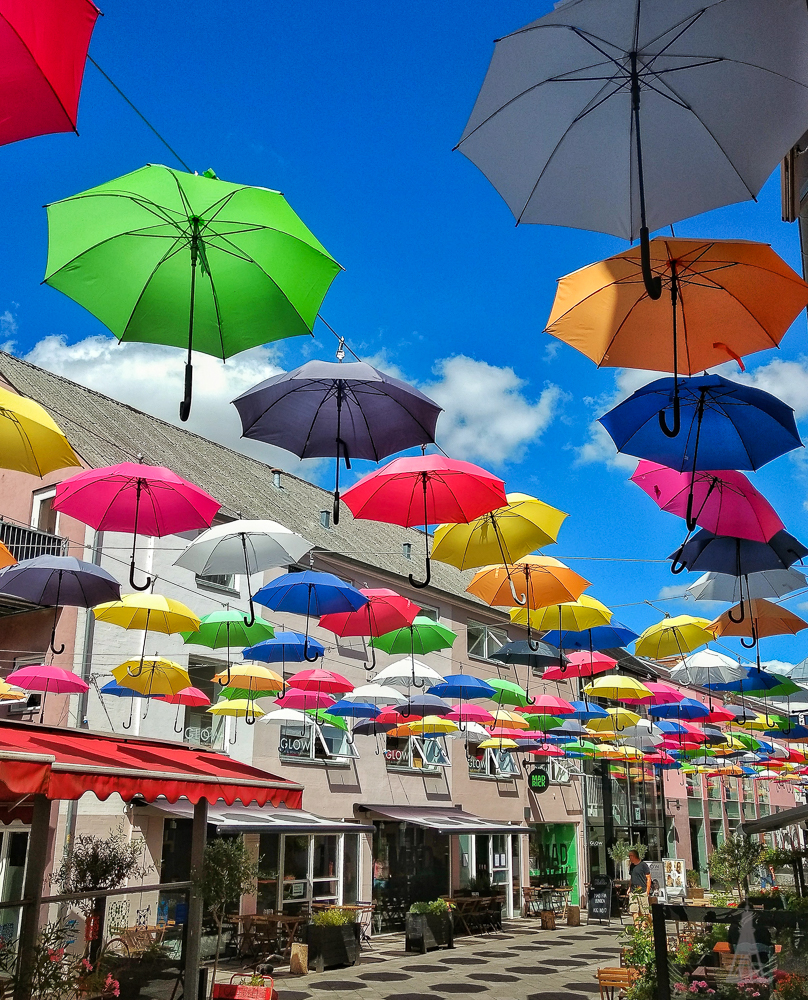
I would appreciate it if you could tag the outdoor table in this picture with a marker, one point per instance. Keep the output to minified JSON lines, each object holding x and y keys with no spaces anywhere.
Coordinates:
{"x":561,"y":898}
{"x":283,"y":924}
{"x":465,"y":910}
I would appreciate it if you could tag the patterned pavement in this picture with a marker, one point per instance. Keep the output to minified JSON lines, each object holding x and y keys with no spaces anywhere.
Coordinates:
{"x":521,"y":963}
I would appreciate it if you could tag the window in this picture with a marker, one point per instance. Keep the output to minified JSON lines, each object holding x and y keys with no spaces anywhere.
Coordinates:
{"x":492,"y":764}
{"x":201,"y":728}
{"x":415,"y":753}
{"x":694,"y":786}
{"x":32,"y":703}
{"x":310,"y":742}
{"x":218,"y":581}
{"x":483,"y":640}
{"x":560,"y":774}
{"x":325,"y":518}
{"x":406,"y":550}
{"x":43,"y":516}
{"x":433,"y":614}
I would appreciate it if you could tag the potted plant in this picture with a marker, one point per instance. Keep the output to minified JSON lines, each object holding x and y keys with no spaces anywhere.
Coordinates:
{"x":333,"y":939}
{"x":732,"y":862}
{"x":694,"y":886}
{"x":618,"y":852}
{"x":429,"y":925}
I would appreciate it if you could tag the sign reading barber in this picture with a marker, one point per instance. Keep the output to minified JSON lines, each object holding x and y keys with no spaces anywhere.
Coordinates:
{"x":538,"y":780}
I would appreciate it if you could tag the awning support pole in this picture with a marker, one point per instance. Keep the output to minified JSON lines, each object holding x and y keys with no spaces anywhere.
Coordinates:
{"x":34,"y":877}
{"x":193,"y":946}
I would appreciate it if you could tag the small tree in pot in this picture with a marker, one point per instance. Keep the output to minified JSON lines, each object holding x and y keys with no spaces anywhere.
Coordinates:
{"x":618,"y":852}
{"x":732,"y":862}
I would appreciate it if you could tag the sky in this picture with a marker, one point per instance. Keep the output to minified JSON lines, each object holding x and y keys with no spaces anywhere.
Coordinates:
{"x":352,"y":111}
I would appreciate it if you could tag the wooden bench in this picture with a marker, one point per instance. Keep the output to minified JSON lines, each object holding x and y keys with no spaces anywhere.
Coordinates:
{"x":614,"y":982}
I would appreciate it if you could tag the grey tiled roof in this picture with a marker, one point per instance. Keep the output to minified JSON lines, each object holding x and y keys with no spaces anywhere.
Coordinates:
{"x":104,"y":431}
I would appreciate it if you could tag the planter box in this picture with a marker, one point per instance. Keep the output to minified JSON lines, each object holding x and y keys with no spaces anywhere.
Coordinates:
{"x":695,"y":892}
{"x":332,"y":946}
{"x":429,"y":930}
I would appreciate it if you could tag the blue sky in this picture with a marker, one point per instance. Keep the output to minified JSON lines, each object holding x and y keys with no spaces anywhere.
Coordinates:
{"x":352,"y":111}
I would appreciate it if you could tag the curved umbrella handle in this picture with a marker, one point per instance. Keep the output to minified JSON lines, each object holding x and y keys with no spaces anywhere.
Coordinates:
{"x":690,"y":521}
{"x":177,"y":719}
{"x":533,"y":645}
{"x":235,"y":735}
{"x":53,"y":648}
{"x":672,"y":432}
{"x":249,"y":622}
{"x":678,"y":567}
{"x":128,"y":725}
{"x":737,"y":621}
{"x":653,"y":284}
{"x":309,"y":659}
{"x":132,"y":583}
{"x":529,"y":700}
{"x":420,"y":685}
{"x":418,"y":584}
{"x":372,"y":666}
{"x":748,"y":645}
{"x":185,"y":405}
{"x":521,"y":601}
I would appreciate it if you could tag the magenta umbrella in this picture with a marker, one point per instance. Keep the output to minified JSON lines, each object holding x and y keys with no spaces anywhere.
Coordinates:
{"x":44,"y":678}
{"x":137,"y":499}
{"x":300,"y":700}
{"x":470,"y":713}
{"x":663,"y":694}
{"x":725,"y":503}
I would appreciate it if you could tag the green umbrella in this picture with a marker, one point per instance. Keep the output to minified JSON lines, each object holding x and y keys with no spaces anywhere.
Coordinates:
{"x":166,"y":257}
{"x":226,"y":628}
{"x":508,"y":693}
{"x":324,"y":719}
{"x":785,"y":688}
{"x":423,"y":636}
{"x":244,"y":694}
{"x":541,"y":723}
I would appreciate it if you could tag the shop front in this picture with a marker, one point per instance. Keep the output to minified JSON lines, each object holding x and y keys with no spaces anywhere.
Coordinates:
{"x":553,"y":857}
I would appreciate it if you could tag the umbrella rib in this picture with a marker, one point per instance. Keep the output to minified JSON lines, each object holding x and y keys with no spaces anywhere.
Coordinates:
{"x":169,"y":253}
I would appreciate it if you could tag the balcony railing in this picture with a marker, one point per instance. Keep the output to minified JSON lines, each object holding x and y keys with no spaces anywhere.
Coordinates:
{"x":25,"y":542}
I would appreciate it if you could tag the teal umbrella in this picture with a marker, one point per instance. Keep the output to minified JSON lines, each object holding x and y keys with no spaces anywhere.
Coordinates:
{"x":166,"y":257}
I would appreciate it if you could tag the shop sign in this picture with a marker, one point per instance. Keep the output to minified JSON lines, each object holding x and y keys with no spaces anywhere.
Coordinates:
{"x":295,"y":746}
{"x":538,"y":780}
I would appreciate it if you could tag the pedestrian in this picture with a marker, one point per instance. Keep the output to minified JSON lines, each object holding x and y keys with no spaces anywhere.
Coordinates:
{"x":639,"y":888}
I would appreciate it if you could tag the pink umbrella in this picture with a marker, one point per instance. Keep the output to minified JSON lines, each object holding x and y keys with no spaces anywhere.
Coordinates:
{"x":325,"y":681}
{"x":301,"y":700}
{"x":546,"y":750}
{"x":725,"y":502}
{"x":581,"y":664}
{"x":663,"y":694}
{"x":470,"y":713}
{"x":137,"y":499}
{"x":384,"y":612}
{"x":44,"y":678}
{"x":719,"y":714}
{"x":190,"y":696}
{"x":547,"y":704}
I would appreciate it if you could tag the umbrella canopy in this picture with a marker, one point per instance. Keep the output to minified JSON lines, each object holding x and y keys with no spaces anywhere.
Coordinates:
{"x":706,"y":666}
{"x":762,"y":619}
{"x":725,"y":503}
{"x":301,"y":700}
{"x":585,"y":710}
{"x":406,"y":672}
{"x":657,"y":91}
{"x":44,"y":49}
{"x":705,"y":552}
{"x":509,"y":720}
{"x":152,"y":675}
{"x":57,"y":581}
{"x":463,"y":686}
{"x":47,"y":679}
{"x":617,"y":687}
{"x":238,"y":708}
{"x":498,"y":743}
{"x":673,"y":636}
{"x":320,"y":680}
{"x":470,"y":713}
{"x":226,"y":628}
{"x":116,"y":690}
{"x":284,"y":647}
{"x":534,"y":582}
{"x":504,"y":535}
{"x":427,"y":489}
{"x":581,"y":664}
{"x":376,"y":694}
{"x":30,"y":440}
{"x":661,"y":694}
{"x":424,"y":704}
{"x":135,"y":498}
{"x":423,"y":635}
{"x":190,"y":696}
{"x":162,"y":256}
{"x":258,"y":681}
{"x":330,"y":409}
{"x":508,"y":692}
{"x":523,"y":653}
{"x":549,"y":704}
{"x":310,"y":594}
{"x":384,"y":612}
{"x":10,"y":693}
{"x":148,"y":613}
{"x":769,"y":584}
{"x":243,"y":547}
{"x":584,"y":613}
{"x":687,"y":708}
{"x":371,"y":727}
{"x":599,"y":637}
{"x":432,"y":725}
{"x":353,"y":710}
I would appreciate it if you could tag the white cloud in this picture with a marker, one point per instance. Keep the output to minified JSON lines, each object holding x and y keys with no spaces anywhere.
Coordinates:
{"x":788,"y":380}
{"x":487,"y":416}
{"x":598,"y":446}
{"x":777,"y":666}
{"x":673,"y":591}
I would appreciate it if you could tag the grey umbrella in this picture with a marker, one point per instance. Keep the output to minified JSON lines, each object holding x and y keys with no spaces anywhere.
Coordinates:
{"x":768,"y":584}
{"x":626,"y":116}
{"x":54,"y":581}
{"x":345,"y":410}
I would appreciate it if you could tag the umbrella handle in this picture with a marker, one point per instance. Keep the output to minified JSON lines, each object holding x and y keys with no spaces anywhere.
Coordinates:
{"x":185,"y":405}
{"x":135,"y":586}
{"x":418,"y":584}
{"x":372,"y":666}
{"x":672,"y":432}
{"x":738,"y":621}
{"x":347,"y":457}
{"x":309,"y":659}
{"x":676,"y":566}
{"x":653,"y":285}
{"x":235,"y":735}
{"x":53,"y":648}
{"x":177,"y":719}
{"x":529,"y":700}
{"x":420,"y":685}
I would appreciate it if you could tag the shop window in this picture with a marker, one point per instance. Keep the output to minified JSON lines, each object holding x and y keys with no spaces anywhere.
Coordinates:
{"x":310,"y":742}
{"x":484,"y":640}
{"x":694,"y":786}
{"x":415,"y":753}
{"x":43,"y":516}
{"x":433,"y":614}
{"x":492,"y":764}
{"x":560,"y":774}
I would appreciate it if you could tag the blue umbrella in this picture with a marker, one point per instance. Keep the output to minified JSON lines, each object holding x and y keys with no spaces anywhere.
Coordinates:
{"x":353,"y":710}
{"x":462,"y":686}
{"x":670,"y":728}
{"x":754,"y":680}
{"x":309,"y":593}
{"x":587,"y":710}
{"x":571,"y":727}
{"x":709,"y":553}
{"x":522,"y":653}
{"x":795,"y":732}
{"x":687,"y":708}
{"x":284,"y":647}
{"x":114,"y":688}
{"x":609,"y":636}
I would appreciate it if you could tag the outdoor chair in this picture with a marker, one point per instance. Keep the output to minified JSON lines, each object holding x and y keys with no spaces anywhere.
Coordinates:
{"x":531,"y":901}
{"x":614,"y":982}
{"x":364,"y":917}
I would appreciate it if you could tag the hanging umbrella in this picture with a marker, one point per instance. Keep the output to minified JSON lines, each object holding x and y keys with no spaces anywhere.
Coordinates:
{"x":672,"y":636}
{"x":370,"y":727}
{"x":30,"y":440}
{"x":285,"y":647}
{"x":114,"y":689}
{"x":190,"y":696}
{"x":237,"y":709}
{"x":521,"y":652}
{"x":725,"y":503}
{"x":376,"y":694}
{"x":550,"y":704}
{"x":508,"y":693}
{"x":609,"y":636}
{"x":310,"y":594}
{"x":706,"y":552}
{"x":422,"y":635}
{"x":403,"y":672}
{"x":156,"y":675}
{"x":251,"y":679}
{"x":581,"y":664}
{"x":352,"y":710}
{"x":289,"y":716}
{"x":424,"y":704}
{"x":688,"y":709}
{"x":763,"y":619}
{"x":431,"y":725}
{"x":6,"y":558}
{"x":147,"y":613}
{"x":661,"y":694}
{"x":47,"y":679}
{"x":539,"y":721}
{"x":428,"y":489}
{"x":246,"y":547}
{"x":10,"y":693}
{"x":166,"y":257}
{"x":706,"y":666}
{"x":328,"y":409}
{"x":320,"y":680}
{"x":505,"y":535}
{"x":498,"y":743}
{"x":585,"y":710}
{"x":57,"y":581}
{"x":583,"y":613}
{"x":618,"y":687}
{"x":533,"y":582}
{"x":728,"y":298}
{"x":509,"y":720}
{"x":384,"y":612}
{"x":770,"y":584}
{"x":470,"y":713}
{"x":226,"y":628}
{"x":301,"y":700}
{"x":138,"y":499}
{"x":658,"y":92}
{"x":462,"y":686}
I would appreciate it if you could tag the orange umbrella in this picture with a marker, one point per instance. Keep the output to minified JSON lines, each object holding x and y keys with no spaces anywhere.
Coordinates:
{"x":763,"y":618}
{"x":535,"y":582}
{"x":6,"y":558}
{"x":727,"y":299}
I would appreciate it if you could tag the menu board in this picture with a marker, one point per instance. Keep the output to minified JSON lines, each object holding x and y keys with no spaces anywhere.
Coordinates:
{"x":599,"y":901}
{"x":675,"y":876}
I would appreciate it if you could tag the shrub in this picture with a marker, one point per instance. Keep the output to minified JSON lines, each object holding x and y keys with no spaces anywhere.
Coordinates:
{"x":435,"y":906}
{"x":334,"y":916}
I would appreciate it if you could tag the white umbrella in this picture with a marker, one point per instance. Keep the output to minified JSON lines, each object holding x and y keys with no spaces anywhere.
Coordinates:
{"x":375,"y":694}
{"x":407,"y":671}
{"x":243,"y":547}
{"x":597,"y":108}
{"x":287,"y":716}
{"x":708,"y":666}
{"x":770,"y":584}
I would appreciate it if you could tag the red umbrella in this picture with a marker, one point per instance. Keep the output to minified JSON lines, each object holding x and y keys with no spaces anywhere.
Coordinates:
{"x":719,"y":714}
{"x":471,"y":713}
{"x":43,"y":48}
{"x":547,"y":704}
{"x":427,"y":489}
{"x":138,"y":499}
{"x":190,"y":696}
{"x":392,"y":717}
{"x":325,"y":681}
{"x":385,"y":612}
{"x":581,"y":664}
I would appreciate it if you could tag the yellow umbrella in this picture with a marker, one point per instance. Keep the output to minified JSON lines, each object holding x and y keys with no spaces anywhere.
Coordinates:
{"x":239,"y":708}
{"x":535,"y":582}
{"x":153,"y":675}
{"x":10,"y":693}
{"x":586,"y":612}
{"x":149,"y":613}
{"x":509,"y":720}
{"x":429,"y":724}
{"x":732,"y":745}
{"x":6,"y":558}
{"x":30,"y":440}
{"x":617,"y":686}
{"x":608,"y":752}
{"x":503,"y":536}
{"x":630,"y":753}
{"x":261,"y":680}
{"x":500,"y":743}
{"x":674,"y":636}
{"x":619,"y":719}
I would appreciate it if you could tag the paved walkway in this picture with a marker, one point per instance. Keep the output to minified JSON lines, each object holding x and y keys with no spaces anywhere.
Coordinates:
{"x":521,"y":963}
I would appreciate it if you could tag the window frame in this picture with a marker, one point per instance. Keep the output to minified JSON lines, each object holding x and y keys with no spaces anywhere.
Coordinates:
{"x":487,"y":633}
{"x":415,"y":745}
{"x":319,"y":751}
{"x":491,"y":769}
{"x":37,"y":497}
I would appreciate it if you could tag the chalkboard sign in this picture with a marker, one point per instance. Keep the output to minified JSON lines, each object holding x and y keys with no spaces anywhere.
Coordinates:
{"x":599,"y":902}
{"x":538,"y":780}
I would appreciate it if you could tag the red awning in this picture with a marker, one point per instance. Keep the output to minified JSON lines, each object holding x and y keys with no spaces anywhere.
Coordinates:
{"x":66,"y":763}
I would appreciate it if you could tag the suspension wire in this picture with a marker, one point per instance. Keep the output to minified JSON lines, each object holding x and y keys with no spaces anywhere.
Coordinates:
{"x":140,"y":115}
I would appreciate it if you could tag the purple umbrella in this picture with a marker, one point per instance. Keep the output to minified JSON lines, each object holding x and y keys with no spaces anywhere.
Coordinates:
{"x":328,"y":408}
{"x":54,"y":581}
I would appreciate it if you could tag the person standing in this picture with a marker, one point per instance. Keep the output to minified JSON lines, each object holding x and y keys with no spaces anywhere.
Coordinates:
{"x":639,"y":888}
